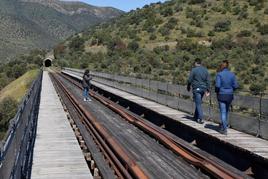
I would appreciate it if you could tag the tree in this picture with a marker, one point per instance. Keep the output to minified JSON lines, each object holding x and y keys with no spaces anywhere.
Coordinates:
{"x":77,"y":43}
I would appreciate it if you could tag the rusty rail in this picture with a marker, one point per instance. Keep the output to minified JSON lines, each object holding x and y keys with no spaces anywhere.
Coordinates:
{"x":123,"y":165}
{"x":189,"y":155}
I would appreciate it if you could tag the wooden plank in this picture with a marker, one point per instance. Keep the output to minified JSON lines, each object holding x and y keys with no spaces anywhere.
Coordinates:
{"x":234,"y":137}
{"x":56,"y":153}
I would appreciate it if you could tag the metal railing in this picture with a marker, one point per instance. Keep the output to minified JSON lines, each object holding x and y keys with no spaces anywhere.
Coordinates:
{"x":249,"y":113}
{"x":17,"y":147}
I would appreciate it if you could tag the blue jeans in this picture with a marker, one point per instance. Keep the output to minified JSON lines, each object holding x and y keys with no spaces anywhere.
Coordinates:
{"x":85,"y":93}
{"x":224,"y":110}
{"x":198,"y":96}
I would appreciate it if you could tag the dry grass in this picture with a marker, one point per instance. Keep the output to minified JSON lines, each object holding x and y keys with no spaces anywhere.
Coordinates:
{"x":18,"y":88}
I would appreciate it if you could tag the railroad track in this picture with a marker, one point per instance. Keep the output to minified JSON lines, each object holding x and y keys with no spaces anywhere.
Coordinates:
{"x":124,"y":170}
{"x":123,"y":165}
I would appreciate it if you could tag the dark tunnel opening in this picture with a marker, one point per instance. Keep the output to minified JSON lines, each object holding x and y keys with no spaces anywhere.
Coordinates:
{"x":48,"y":63}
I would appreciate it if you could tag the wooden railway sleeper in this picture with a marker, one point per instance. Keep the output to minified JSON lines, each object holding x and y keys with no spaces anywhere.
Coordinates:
{"x":191,"y":156}
{"x":135,"y":170}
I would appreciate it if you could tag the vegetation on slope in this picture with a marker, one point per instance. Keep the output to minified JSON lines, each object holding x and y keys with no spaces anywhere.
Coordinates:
{"x":16,"y":68}
{"x":11,"y":96}
{"x":30,"y":24}
{"x":161,"y":41}
{"x":18,"y":88}
{"x":16,"y":78}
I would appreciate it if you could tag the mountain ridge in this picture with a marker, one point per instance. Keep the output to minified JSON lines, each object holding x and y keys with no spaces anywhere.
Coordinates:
{"x":160,"y":41}
{"x":28,"y":24}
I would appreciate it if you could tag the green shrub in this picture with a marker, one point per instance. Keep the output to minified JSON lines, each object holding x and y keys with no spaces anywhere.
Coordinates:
{"x":77,"y":43}
{"x":197,"y":22}
{"x":222,"y":43}
{"x":243,"y":15}
{"x":192,"y":33}
{"x":244,"y":33}
{"x":227,"y":5}
{"x":172,"y":22}
{"x":152,"y":37}
{"x":186,"y":44}
{"x":263,"y":29}
{"x":196,"y":1}
{"x":255,"y":2}
{"x":133,"y":45}
{"x":211,"y":33}
{"x":178,"y":8}
{"x":222,"y":26}
{"x":8,"y":108}
{"x":167,"y":12}
{"x":257,"y":87}
{"x":164,"y":31}
{"x":258,"y":7}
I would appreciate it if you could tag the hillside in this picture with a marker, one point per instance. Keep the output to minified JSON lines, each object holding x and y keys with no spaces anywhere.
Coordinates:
{"x":28,"y":24}
{"x":161,"y":41}
{"x":11,"y":96}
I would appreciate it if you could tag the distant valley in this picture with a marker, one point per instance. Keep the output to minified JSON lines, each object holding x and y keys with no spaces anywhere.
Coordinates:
{"x":29,"y":24}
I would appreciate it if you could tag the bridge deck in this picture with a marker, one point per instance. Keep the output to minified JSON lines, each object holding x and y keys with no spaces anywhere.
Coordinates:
{"x":57,"y":153}
{"x":234,"y":137}
{"x":251,"y":144}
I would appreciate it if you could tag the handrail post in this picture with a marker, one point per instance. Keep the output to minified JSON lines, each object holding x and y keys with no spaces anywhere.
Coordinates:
{"x":210,"y":104}
{"x":260,"y":115}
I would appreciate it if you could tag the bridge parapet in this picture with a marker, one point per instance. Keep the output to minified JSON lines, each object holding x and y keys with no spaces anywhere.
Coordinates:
{"x":16,"y":148}
{"x":249,"y":113}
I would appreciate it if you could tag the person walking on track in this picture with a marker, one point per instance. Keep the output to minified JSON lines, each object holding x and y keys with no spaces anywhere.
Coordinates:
{"x":225,"y":85}
{"x":86,"y":85}
{"x":199,"y":80}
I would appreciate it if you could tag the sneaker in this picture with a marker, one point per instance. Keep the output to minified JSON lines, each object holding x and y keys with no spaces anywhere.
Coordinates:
{"x":85,"y":99}
{"x":223,"y":132}
{"x":200,"y":121}
{"x":89,"y":99}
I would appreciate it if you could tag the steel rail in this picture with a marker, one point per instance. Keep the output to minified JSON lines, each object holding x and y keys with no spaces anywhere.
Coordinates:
{"x":126,"y":167}
{"x":109,"y":159}
{"x":189,"y":155}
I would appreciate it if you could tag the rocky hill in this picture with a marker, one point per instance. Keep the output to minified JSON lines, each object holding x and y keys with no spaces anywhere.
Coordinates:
{"x":161,"y":41}
{"x":28,"y":24}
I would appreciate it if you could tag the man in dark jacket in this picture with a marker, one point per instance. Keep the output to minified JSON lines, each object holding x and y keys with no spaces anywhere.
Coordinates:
{"x":199,"y":79}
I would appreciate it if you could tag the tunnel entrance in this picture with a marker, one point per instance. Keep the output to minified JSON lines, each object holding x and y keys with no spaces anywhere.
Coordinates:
{"x":48,"y":63}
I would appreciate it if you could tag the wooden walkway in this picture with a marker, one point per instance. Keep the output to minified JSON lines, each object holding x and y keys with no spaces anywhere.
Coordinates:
{"x":246,"y":142}
{"x":57,"y":153}
{"x":236,"y":138}
{"x":239,"y":139}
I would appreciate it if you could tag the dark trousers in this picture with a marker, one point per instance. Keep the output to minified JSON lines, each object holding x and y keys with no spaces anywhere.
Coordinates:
{"x":224,"y":109}
{"x":85,"y":92}
{"x":198,"y":96}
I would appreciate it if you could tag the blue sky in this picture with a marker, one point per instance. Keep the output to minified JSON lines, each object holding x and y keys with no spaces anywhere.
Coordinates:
{"x":125,"y":5}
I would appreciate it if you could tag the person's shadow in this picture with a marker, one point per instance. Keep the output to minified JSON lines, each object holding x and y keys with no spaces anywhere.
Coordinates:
{"x":189,"y":117}
{"x":212,"y":126}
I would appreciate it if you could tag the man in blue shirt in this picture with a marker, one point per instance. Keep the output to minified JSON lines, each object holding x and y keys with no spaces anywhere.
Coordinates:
{"x":225,"y":85}
{"x":199,"y":80}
